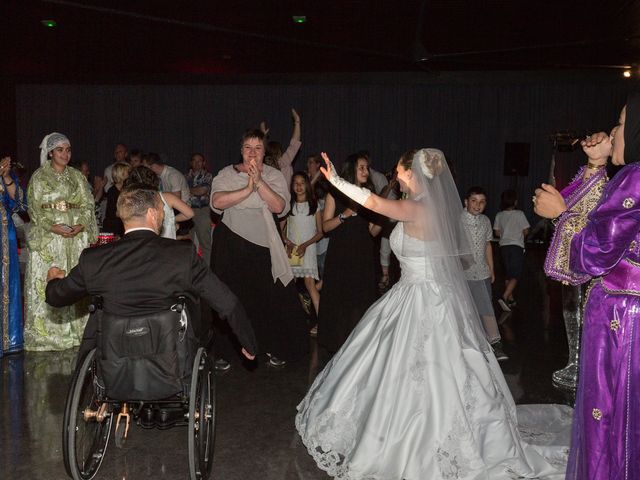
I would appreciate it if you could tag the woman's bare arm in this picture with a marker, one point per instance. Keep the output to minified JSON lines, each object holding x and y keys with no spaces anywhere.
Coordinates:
{"x":186,"y":212}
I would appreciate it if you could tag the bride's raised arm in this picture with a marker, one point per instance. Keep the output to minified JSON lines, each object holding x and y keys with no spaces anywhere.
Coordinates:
{"x":402,"y":210}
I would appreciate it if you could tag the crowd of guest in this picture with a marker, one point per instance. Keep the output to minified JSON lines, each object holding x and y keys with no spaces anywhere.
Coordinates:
{"x":281,"y":239}
{"x":282,"y":235}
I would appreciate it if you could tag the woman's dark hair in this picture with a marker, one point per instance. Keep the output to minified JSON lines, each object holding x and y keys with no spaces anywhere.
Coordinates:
{"x":632,"y":129}
{"x":406,"y":159}
{"x":508,"y":199}
{"x":321,"y":188}
{"x":143,"y":175}
{"x":252,"y":133}
{"x":311,"y":198}
{"x":349,"y":170}
{"x":273,"y":152}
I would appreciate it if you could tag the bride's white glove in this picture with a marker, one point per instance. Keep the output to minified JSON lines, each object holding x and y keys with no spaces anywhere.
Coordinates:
{"x":352,"y":191}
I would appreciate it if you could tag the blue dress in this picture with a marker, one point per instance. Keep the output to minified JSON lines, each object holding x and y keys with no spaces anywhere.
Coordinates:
{"x":11,"y":306}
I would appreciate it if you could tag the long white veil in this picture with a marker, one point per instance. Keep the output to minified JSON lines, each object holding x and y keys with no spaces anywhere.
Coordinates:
{"x":446,"y":245}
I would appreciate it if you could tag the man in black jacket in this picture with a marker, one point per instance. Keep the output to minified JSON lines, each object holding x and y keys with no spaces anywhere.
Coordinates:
{"x":144,"y":273}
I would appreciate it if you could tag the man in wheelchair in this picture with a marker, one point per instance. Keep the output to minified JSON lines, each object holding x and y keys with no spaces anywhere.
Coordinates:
{"x":139,"y":344}
{"x":144,"y":274}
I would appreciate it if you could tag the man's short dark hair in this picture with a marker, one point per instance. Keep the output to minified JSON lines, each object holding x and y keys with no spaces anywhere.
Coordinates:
{"x":152,"y":158}
{"x":135,"y":200}
{"x":475,"y":190}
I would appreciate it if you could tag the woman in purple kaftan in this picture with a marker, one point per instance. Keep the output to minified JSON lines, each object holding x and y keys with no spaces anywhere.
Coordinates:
{"x":606,"y":427}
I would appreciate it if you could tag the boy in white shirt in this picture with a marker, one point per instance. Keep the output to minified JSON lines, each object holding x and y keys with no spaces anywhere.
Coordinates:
{"x":480,"y":275}
{"x":511,"y":226}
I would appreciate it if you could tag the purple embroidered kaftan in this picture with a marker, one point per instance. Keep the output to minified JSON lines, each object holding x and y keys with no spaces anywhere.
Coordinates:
{"x":606,"y":428}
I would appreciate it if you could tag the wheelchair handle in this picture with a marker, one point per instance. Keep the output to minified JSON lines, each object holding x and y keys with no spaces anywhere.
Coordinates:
{"x":96,"y":303}
{"x":182,"y":302}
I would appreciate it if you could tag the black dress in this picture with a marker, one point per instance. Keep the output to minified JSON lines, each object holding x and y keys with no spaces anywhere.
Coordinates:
{"x":112,"y":222}
{"x":349,"y":286}
{"x":275,"y":311}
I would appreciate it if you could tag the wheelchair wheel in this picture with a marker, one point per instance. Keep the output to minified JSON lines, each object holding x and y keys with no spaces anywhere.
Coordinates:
{"x":84,"y":441}
{"x":202,"y":417}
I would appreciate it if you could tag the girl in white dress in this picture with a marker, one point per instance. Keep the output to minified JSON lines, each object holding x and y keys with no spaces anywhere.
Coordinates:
{"x":415,"y":393}
{"x":145,"y":176}
{"x":302,"y":230}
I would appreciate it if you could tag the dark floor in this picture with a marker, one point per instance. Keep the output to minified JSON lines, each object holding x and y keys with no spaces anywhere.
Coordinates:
{"x":255,"y":434}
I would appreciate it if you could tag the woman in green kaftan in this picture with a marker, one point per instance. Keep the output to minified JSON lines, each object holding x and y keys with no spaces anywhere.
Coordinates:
{"x":63,"y":224}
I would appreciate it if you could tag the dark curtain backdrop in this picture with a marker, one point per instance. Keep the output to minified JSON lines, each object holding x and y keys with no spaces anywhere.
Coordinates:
{"x":470,"y":121}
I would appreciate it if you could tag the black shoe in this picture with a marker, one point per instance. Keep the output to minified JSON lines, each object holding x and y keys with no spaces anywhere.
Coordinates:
{"x":221,"y":365}
{"x":499,"y":352}
{"x":275,"y":361}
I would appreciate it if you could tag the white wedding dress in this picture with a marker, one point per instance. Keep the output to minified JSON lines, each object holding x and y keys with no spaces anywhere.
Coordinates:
{"x":411,"y":397}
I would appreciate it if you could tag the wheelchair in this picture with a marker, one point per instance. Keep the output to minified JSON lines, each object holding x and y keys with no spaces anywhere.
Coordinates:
{"x":149,"y":369}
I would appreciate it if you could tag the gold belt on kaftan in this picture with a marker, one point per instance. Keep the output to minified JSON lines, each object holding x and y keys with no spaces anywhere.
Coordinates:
{"x":61,"y":205}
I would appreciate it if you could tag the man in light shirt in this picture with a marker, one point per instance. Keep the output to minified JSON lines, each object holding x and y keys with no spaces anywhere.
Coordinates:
{"x":171,"y":179}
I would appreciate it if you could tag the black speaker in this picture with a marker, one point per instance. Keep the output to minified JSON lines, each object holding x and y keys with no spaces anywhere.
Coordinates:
{"x":516,"y":159}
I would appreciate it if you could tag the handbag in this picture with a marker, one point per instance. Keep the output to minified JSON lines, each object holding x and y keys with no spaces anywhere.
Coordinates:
{"x":296,"y":260}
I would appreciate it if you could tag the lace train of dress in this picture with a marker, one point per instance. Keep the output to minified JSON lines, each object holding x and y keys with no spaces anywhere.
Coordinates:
{"x":407,"y":398}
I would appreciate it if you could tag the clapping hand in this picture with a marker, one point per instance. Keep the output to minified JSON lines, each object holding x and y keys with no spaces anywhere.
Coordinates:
{"x":254,"y":174}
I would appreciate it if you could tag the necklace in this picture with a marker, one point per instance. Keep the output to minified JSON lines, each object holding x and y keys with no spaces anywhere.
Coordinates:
{"x":591,"y":166}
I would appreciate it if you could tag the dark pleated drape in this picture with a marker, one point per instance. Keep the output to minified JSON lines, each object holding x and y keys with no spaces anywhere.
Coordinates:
{"x":470,"y":120}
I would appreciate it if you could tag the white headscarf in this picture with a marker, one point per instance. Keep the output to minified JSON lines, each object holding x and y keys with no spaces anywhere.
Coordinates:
{"x":49,"y":142}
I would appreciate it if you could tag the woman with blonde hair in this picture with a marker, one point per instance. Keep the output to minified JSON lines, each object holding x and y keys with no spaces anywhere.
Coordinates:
{"x":112,"y":223}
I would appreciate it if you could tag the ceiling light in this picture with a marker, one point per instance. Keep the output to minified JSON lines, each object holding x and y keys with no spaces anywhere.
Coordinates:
{"x":299,"y":18}
{"x":49,"y":23}
{"x":626,"y":73}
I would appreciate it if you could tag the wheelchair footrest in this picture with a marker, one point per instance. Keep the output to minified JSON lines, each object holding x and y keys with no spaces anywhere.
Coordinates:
{"x":162,"y":418}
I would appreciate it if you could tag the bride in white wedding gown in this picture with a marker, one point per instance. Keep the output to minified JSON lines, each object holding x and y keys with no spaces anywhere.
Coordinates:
{"x":416,"y":393}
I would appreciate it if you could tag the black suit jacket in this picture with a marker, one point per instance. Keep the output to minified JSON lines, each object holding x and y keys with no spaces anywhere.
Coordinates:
{"x":142,"y":274}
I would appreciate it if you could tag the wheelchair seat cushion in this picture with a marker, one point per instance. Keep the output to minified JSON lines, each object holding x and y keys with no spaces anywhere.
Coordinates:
{"x":142,"y":358}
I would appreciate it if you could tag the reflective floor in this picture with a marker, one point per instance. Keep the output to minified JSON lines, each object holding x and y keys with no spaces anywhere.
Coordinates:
{"x":255,"y":434}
